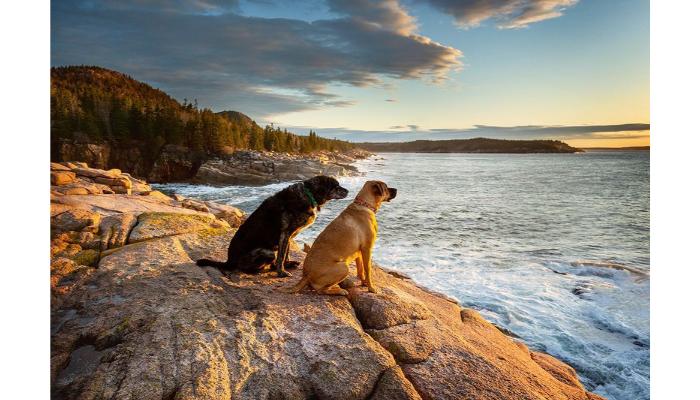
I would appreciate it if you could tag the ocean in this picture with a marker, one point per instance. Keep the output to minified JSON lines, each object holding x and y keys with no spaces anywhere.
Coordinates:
{"x":553,"y":248}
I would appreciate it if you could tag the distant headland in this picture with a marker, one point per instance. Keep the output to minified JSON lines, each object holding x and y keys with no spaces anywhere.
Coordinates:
{"x":476,"y":145}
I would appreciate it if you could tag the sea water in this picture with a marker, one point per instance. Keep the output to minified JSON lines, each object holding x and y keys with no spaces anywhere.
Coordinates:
{"x":553,"y":248}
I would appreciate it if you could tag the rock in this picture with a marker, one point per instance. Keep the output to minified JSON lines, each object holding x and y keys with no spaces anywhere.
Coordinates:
{"x":159,"y":196}
{"x":86,"y":257}
{"x":138,"y":186}
{"x":86,"y":240}
{"x":92,"y":153}
{"x":230,"y":214}
{"x":120,"y":203}
{"x":114,"y":230}
{"x":61,"y":267}
{"x":175,"y":163}
{"x":387,"y":308}
{"x":62,"y":177}
{"x":65,"y":249}
{"x":76,"y":191}
{"x":409,"y":343}
{"x":153,"y":325}
{"x":557,"y":369}
{"x":148,"y":323}
{"x":393,"y":385}
{"x":119,"y":181}
{"x":97,"y":173}
{"x":256,"y":168}
{"x":155,"y":225}
{"x":80,"y":186}
{"x":121,"y":190}
{"x":75,"y":220}
{"x":194,"y":205}
{"x":57,"y":208}
{"x":58,"y":167}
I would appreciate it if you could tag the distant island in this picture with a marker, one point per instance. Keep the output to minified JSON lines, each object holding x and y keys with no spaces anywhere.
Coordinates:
{"x":630,"y":148}
{"x":476,"y":145}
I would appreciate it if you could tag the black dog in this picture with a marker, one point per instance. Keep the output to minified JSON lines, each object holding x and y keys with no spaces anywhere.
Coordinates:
{"x":264,"y":236}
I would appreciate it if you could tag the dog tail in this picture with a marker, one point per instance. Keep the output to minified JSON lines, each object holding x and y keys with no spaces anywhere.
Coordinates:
{"x":303,"y":283}
{"x":205,"y":262}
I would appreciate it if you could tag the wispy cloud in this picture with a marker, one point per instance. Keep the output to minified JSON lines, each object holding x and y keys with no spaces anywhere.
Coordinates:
{"x":507,"y":14}
{"x":205,"y":49}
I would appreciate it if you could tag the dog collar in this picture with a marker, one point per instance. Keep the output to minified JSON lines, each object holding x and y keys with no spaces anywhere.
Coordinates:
{"x":308,"y":194}
{"x":363,"y":203}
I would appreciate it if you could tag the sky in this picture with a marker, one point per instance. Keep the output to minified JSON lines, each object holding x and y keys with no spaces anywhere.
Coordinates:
{"x":384,"y":70}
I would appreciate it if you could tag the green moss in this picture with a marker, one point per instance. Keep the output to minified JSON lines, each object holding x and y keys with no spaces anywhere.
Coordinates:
{"x":211,"y":232}
{"x":87,"y":257}
{"x":164,"y":219}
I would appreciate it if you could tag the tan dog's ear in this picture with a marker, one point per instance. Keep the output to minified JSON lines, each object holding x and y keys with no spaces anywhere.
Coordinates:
{"x":379,"y":189}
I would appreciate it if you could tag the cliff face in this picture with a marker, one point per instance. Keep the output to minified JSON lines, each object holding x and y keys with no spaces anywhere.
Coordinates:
{"x":138,"y":319}
{"x":178,"y":164}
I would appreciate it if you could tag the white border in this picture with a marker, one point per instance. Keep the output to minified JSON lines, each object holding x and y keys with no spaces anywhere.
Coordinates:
{"x":24,"y":201}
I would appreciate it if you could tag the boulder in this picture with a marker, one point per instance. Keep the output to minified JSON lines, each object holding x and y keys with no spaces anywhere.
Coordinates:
{"x":138,"y":186}
{"x":194,"y":205}
{"x":80,"y":186}
{"x":409,"y":343}
{"x":234,"y":216}
{"x":86,"y":240}
{"x":75,"y":220}
{"x":121,"y":190}
{"x":120,"y":181}
{"x":393,"y":385}
{"x":62,"y":177}
{"x":58,"y":167}
{"x":114,"y":230}
{"x":97,"y":173}
{"x":386,"y":308}
{"x":155,"y":225}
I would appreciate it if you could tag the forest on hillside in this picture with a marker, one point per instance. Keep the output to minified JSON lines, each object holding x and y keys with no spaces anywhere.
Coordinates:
{"x":95,"y":104}
{"x":475,"y":145}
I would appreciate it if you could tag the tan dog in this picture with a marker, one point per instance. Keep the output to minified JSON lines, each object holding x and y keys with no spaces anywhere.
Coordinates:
{"x":349,"y":237}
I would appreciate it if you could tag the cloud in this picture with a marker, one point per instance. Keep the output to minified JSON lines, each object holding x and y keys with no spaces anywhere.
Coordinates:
{"x":413,"y":132}
{"x":263,"y":66}
{"x":386,"y":14}
{"x":405,"y":127}
{"x":507,"y":14}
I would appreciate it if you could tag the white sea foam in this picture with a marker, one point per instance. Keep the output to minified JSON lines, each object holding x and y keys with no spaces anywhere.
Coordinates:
{"x":553,"y":248}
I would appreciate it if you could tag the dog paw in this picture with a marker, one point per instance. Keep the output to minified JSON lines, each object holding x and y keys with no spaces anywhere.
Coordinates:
{"x":343,"y":292}
{"x":283,"y":274}
{"x":292,"y":264}
{"x":372,"y":289}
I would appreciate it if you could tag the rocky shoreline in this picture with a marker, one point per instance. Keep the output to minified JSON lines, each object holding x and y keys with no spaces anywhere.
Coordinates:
{"x":179,"y":164}
{"x":132,"y":316}
{"x":262,"y":168}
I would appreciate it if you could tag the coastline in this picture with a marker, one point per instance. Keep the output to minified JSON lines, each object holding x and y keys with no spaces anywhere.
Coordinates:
{"x":124,"y":286}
